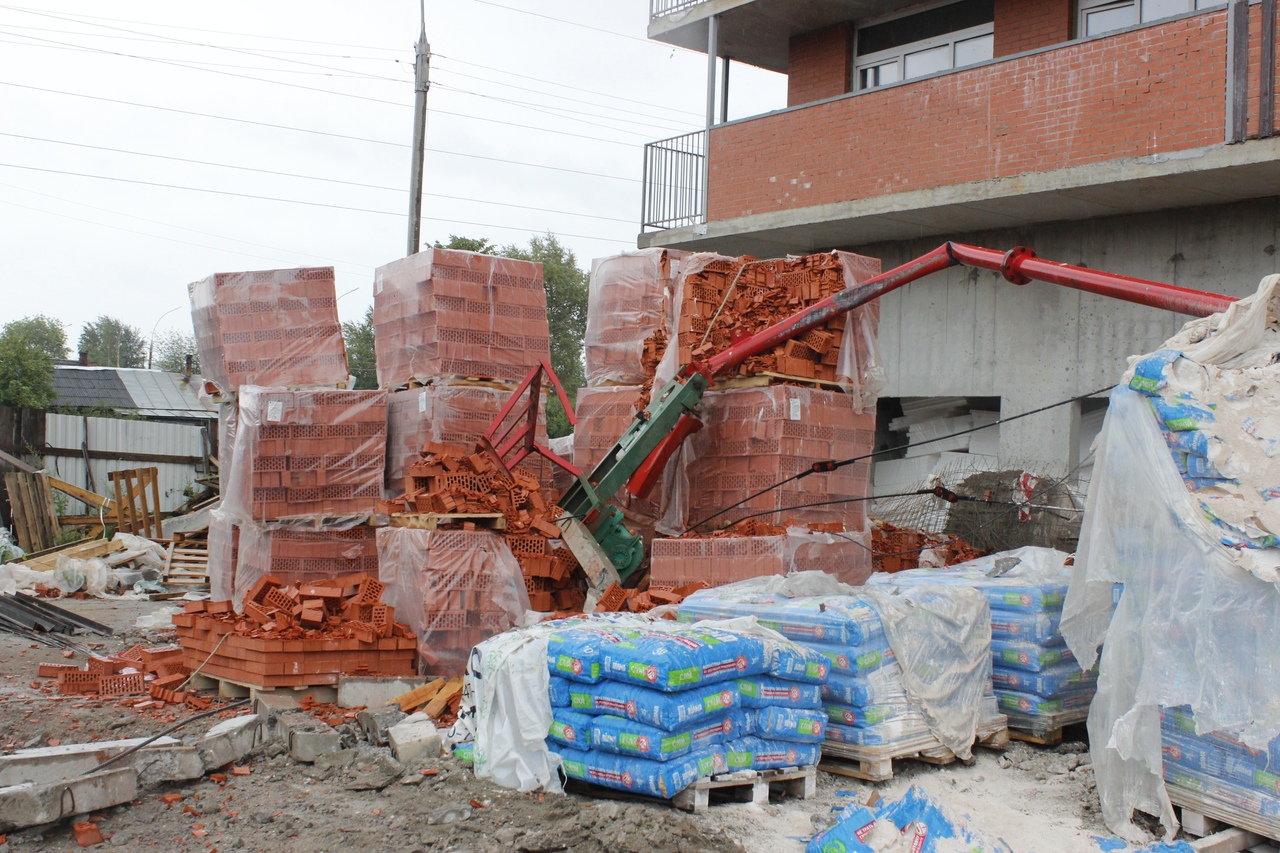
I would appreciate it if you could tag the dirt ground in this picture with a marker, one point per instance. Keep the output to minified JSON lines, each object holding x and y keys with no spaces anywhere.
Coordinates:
{"x":1034,"y":799}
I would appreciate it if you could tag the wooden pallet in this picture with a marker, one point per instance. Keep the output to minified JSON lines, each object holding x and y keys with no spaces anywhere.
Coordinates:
{"x":1202,"y":817}
{"x":35,"y":522}
{"x":434,"y":520}
{"x":768,"y":377}
{"x":745,"y":786}
{"x":186,"y":562}
{"x":875,"y":763}
{"x":231,"y":689}
{"x":1044,"y":730}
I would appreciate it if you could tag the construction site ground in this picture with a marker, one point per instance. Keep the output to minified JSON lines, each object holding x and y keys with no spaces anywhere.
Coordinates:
{"x":1034,"y":798}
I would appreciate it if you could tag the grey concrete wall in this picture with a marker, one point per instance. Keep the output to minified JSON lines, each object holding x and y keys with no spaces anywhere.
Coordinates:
{"x":968,"y":332}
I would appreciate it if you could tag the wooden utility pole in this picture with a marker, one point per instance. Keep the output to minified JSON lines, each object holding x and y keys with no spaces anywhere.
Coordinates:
{"x":421,"y":83}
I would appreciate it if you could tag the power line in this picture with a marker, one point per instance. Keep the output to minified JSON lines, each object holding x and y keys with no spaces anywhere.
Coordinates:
{"x":535,"y":165}
{"x":567,"y":113}
{"x":533,"y":127}
{"x":579,"y":24}
{"x":564,"y":85}
{"x":206,"y":115}
{"x":184,"y":228}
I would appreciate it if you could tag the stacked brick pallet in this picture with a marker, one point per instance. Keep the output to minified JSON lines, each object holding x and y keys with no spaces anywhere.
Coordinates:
{"x":443,"y":314}
{"x":270,"y":328}
{"x":604,"y":414}
{"x":630,"y":297}
{"x":755,"y":550}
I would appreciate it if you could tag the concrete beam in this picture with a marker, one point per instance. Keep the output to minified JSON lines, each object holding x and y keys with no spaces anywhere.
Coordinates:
{"x":32,"y":804}
{"x":54,"y":763}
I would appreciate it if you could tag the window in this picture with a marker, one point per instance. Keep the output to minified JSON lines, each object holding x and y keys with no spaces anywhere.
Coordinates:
{"x":1104,"y":16}
{"x":937,"y":39}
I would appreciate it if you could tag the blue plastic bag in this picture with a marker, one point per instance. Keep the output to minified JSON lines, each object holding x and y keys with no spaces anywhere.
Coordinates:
{"x":1041,"y":627}
{"x":753,"y":753}
{"x":1038,"y":706}
{"x":558,"y":692}
{"x":796,"y":662}
{"x":887,"y":732}
{"x":571,"y":728}
{"x":1051,"y":682}
{"x":866,"y":715}
{"x":794,"y":724}
{"x":854,"y":660}
{"x":763,"y":692}
{"x":667,"y":711}
{"x":879,"y":687}
{"x":1148,"y":373}
{"x":838,"y":619}
{"x":637,"y":775}
{"x":665,"y":660}
{"x":1030,"y":657}
{"x":627,"y":737}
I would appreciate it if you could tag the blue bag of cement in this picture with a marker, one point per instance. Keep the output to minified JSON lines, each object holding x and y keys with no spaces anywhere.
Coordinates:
{"x":1215,"y":789}
{"x":753,"y":753}
{"x":852,"y":826}
{"x":1192,"y":441}
{"x":577,"y":652}
{"x":866,"y":715}
{"x":571,"y":728}
{"x":852,"y":660}
{"x":1038,"y":706}
{"x":887,"y":733}
{"x":718,"y":604}
{"x":922,"y":827}
{"x":765,"y":692}
{"x":1033,"y":627}
{"x":1180,"y":721}
{"x":1051,"y":682}
{"x":678,"y":660}
{"x":558,"y":692}
{"x":627,"y":737}
{"x":802,"y":725}
{"x":1180,"y":415}
{"x":667,"y":711}
{"x":1148,"y":374}
{"x":1200,"y":468}
{"x":638,"y":775}
{"x":1201,"y":755}
{"x":465,"y":752}
{"x":1030,"y":657}
{"x":836,"y":619}
{"x":883,"y":685}
{"x":794,"y":662}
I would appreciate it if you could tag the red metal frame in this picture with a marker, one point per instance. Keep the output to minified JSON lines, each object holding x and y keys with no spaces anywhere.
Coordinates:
{"x":521,"y":435}
{"x":1019,"y":266}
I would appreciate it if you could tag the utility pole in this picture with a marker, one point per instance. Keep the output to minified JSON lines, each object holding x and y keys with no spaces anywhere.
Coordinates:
{"x":421,"y":83}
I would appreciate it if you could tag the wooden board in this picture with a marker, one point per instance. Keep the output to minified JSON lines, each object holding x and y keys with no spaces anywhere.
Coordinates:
{"x":1044,"y":730}
{"x":43,"y":561}
{"x":138,"y":501}
{"x":875,"y":763}
{"x":433,"y":520}
{"x":35,"y":522}
{"x":1233,"y":816}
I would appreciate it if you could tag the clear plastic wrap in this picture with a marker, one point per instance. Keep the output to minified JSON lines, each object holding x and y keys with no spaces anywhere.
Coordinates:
{"x":224,"y":542}
{"x":227,"y":415}
{"x":447,"y":313}
{"x":454,"y":588}
{"x":604,"y":414}
{"x":753,"y":438}
{"x":455,"y":415}
{"x":269,"y":327}
{"x":1195,"y":623}
{"x":629,"y":300}
{"x":845,"y":557}
{"x":307,"y":455}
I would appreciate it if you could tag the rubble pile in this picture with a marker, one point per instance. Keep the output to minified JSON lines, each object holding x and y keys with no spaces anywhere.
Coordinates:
{"x":618,"y":600}
{"x":897,"y":549}
{"x":151,"y":671}
{"x":297,"y":637}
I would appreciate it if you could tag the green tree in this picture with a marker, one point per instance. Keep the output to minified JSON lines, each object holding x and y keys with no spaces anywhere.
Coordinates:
{"x":26,"y":366}
{"x":566,"y":286}
{"x":46,"y":333}
{"x":361,"y":360}
{"x":113,"y":343}
{"x":171,"y":350}
{"x":468,"y":244}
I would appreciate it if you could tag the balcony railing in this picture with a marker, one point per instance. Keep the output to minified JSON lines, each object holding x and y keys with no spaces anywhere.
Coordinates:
{"x":663,"y":8}
{"x":674,"y":176}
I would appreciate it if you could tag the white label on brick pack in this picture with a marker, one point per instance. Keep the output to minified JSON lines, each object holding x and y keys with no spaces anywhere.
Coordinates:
{"x":422,"y":401}
{"x":795,"y":410}
{"x":275,"y":411}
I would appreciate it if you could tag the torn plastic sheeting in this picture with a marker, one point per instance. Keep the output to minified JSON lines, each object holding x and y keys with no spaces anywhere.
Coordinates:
{"x":454,"y":588}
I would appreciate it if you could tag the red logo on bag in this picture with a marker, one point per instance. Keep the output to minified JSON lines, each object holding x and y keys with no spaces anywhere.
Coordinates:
{"x":651,"y":674}
{"x":741,"y":663}
{"x":817,"y":729}
{"x":726,"y":698}
{"x":642,"y":743}
{"x":577,"y":667}
{"x":1014,"y":681}
{"x":1024,"y":658}
{"x":850,"y":717}
{"x":791,"y":756}
{"x":631,"y":708}
{"x":819,"y":631}
{"x":1026,"y":600}
{"x":626,"y":779}
{"x":728,"y":725}
{"x":1024,"y":704}
{"x":795,"y":694}
{"x":569,"y":734}
{"x":842,"y":661}
{"x":822,"y":670}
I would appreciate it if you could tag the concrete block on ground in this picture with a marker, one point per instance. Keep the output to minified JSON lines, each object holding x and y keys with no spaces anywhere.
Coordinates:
{"x":168,"y":764}
{"x":230,"y":740}
{"x":415,"y":738}
{"x":371,"y":691}
{"x":32,"y":804}
{"x":55,"y":763}
{"x":270,"y":706}
{"x":376,"y":722}
{"x":306,"y":737}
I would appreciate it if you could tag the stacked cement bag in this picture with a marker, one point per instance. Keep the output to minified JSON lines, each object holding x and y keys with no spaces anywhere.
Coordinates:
{"x":1218,"y":766}
{"x":651,"y":709}
{"x":864,"y":700}
{"x":1034,"y":673}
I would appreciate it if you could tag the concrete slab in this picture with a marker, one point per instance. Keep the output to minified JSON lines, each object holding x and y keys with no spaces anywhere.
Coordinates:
{"x":54,"y":763}
{"x":415,"y":739}
{"x":371,"y":691}
{"x":230,"y":740}
{"x":32,"y":804}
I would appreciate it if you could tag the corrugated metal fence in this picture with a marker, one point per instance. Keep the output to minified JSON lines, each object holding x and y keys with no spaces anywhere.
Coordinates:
{"x":143,"y":440}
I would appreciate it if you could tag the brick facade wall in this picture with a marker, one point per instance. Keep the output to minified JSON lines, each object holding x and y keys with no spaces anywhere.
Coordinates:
{"x":1153,"y":90}
{"x":820,"y":64}
{"x":1028,"y":24}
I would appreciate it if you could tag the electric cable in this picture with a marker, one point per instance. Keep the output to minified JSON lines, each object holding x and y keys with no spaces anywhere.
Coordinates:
{"x":584,"y":26}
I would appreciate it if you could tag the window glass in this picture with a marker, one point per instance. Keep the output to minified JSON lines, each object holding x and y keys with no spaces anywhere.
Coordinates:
{"x":973,"y":50}
{"x":878,"y":75}
{"x":1153,"y":10}
{"x":925,"y":25}
{"x":1110,"y":18}
{"x":924,"y":62}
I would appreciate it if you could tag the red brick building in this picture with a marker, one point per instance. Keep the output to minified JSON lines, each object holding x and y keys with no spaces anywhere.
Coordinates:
{"x":1128,"y":135}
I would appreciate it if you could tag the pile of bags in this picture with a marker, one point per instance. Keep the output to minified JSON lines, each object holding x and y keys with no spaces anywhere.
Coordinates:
{"x":650,"y":709}
{"x":1035,"y":675}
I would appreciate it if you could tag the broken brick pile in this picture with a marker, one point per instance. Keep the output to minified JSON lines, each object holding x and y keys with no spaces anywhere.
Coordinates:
{"x":154,"y":671}
{"x":897,"y":549}
{"x":298,"y":636}
{"x":615,"y":599}
{"x":628,"y":301}
{"x":753,"y":548}
{"x":310,"y":453}
{"x":754,"y":438}
{"x":270,"y":327}
{"x":445,"y":314}
{"x":448,"y":481}
{"x":723,"y":300}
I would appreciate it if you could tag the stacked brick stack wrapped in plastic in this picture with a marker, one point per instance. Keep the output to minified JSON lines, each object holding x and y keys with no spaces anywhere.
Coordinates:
{"x":650,"y":709}
{"x":628,"y":314}
{"x":269,"y":328}
{"x":1037,"y":680}
{"x":864,"y":699}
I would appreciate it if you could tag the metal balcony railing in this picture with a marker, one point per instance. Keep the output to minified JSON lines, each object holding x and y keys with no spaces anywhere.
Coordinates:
{"x":674,"y":176}
{"x":662,"y":8}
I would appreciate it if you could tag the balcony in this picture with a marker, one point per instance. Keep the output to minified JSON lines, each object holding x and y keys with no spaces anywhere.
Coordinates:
{"x":1128,"y":122}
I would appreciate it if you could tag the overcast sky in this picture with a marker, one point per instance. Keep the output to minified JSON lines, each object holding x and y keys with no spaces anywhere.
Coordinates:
{"x":510,"y":88}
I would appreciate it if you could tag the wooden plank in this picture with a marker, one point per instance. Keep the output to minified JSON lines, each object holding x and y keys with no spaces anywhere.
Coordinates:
{"x":1231,"y":840}
{"x":91,"y":498}
{"x":419,"y":695}
{"x":1237,"y":70}
{"x":17,"y":463}
{"x":441,"y":700}
{"x":121,"y":512}
{"x":154,"y":527}
{"x":122,"y":456}
{"x":47,"y":561}
{"x":48,"y":513}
